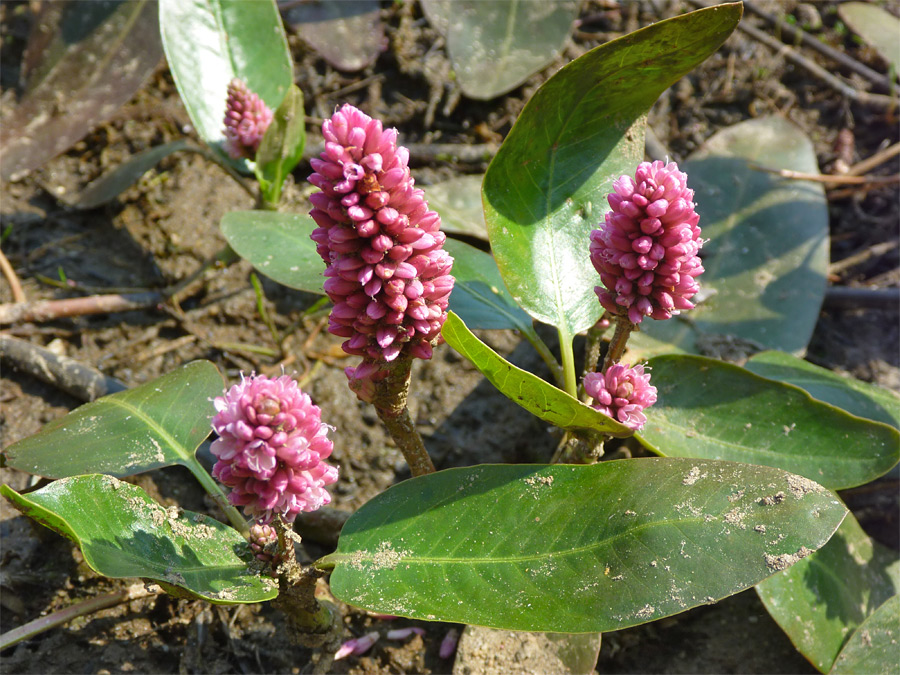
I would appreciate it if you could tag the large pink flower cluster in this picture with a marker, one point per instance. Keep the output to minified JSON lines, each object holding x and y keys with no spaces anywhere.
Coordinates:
{"x":271,"y":448}
{"x":246,"y":121}
{"x":388,"y":275}
{"x":622,"y":392}
{"x":646,"y":252}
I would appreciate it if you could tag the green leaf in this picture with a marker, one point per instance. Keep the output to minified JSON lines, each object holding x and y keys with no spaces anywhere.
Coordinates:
{"x":576,"y":549}
{"x":111,"y":185}
{"x":859,"y":398}
{"x":479,"y":295}
{"x":879,"y":28}
{"x":715,"y":410}
{"x":156,"y":424}
{"x":209,"y":42}
{"x":495,"y":46}
{"x":348,"y":34}
{"x":458,"y":201}
{"x":545,"y":189}
{"x":122,"y":533}
{"x":528,"y":390}
{"x":822,"y":599}
{"x":873,"y":648}
{"x":282,"y":145}
{"x":767,"y":257}
{"x":278,"y":245}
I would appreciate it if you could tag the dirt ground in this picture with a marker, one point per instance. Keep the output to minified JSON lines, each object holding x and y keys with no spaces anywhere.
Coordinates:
{"x":161,"y":230}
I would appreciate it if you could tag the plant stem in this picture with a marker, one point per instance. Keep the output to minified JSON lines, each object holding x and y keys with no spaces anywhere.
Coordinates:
{"x":594,"y":340}
{"x":618,"y":342}
{"x":390,"y":404}
{"x":212,"y":487}
{"x":544,"y":351}
{"x":570,"y":382}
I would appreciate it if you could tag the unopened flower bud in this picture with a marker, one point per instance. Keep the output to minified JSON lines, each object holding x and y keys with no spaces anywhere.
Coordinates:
{"x":246,"y":119}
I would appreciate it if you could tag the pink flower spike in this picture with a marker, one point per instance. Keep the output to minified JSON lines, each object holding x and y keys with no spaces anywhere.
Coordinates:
{"x":376,"y":233}
{"x":403,"y":633}
{"x":271,"y":449}
{"x":622,"y":393}
{"x":650,"y":237}
{"x":246,"y":121}
{"x":448,"y":644}
{"x":356,"y":646}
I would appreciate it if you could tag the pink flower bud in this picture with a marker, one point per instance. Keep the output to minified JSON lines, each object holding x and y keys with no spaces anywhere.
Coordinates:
{"x":376,"y":233}
{"x":650,"y":237}
{"x":246,"y":121}
{"x":448,"y":644}
{"x":403,"y":633}
{"x":356,"y":646}
{"x":271,"y":448}
{"x":622,"y":392}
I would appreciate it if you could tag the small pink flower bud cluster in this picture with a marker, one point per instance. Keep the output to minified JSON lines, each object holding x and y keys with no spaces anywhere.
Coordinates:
{"x":271,"y":448}
{"x":388,"y":275}
{"x":262,"y":535}
{"x":622,"y":392}
{"x":646,"y":252}
{"x":246,"y":121}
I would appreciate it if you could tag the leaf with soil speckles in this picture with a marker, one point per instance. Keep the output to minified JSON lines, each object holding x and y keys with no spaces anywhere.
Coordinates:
{"x":715,"y":410}
{"x":856,"y":397}
{"x":767,"y":254}
{"x":348,"y":34}
{"x":822,"y":599}
{"x":209,"y":42}
{"x":873,"y":647}
{"x":157,"y":424}
{"x":538,"y":397}
{"x":278,"y":245}
{"x":546,"y":188}
{"x":123,"y":533}
{"x":576,"y":549}
{"x":83,"y":61}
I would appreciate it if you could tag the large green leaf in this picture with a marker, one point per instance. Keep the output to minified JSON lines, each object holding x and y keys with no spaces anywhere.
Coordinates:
{"x":576,"y":549}
{"x":278,"y":245}
{"x":876,"y":26}
{"x":545,"y":189}
{"x":822,"y":599}
{"x":156,"y":424}
{"x":496,"y":46}
{"x":859,"y":398}
{"x":124,"y":533}
{"x":209,"y":42}
{"x":767,"y":256}
{"x":528,"y":390}
{"x":715,"y":410}
{"x":458,"y":201}
{"x":874,"y":648}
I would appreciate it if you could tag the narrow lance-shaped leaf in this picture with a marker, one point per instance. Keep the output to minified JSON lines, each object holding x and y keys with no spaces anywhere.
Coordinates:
{"x":210,"y":42}
{"x":856,"y":397}
{"x":278,"y":245}
{"x":156,"y":424}
{"x":528,"y":390}
{"x":873,"y":649}
{"x":576,"y":549}
{"x":714,"y":410}
{"x":122,"y":533}
{"x":822,"y":599}
{"x":545,"y":190}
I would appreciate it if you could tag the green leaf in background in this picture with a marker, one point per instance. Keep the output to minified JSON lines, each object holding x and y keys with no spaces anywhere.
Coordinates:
{"x":767,"y":257}
{"x":123,"y":533}
{"x":84,"y":60}
{"x":545,"y":189}
{"x":348,"y":34}
{"x":278,"y":245}
{"x":878,"y":27}
{"x":282,"y":145}
{"x":538,"y":397}
{"x":576,"y":549}
{"x":822,"y":599}
{"x":209,"y":42}
{"x":157,"y":424}
{"x":495,"y":46}
{"x":111,"y":185}
{"x":874,"y":648}
{"x":715,"y":410}
{"x":859,"y":398}
{"x":458,"y":201}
